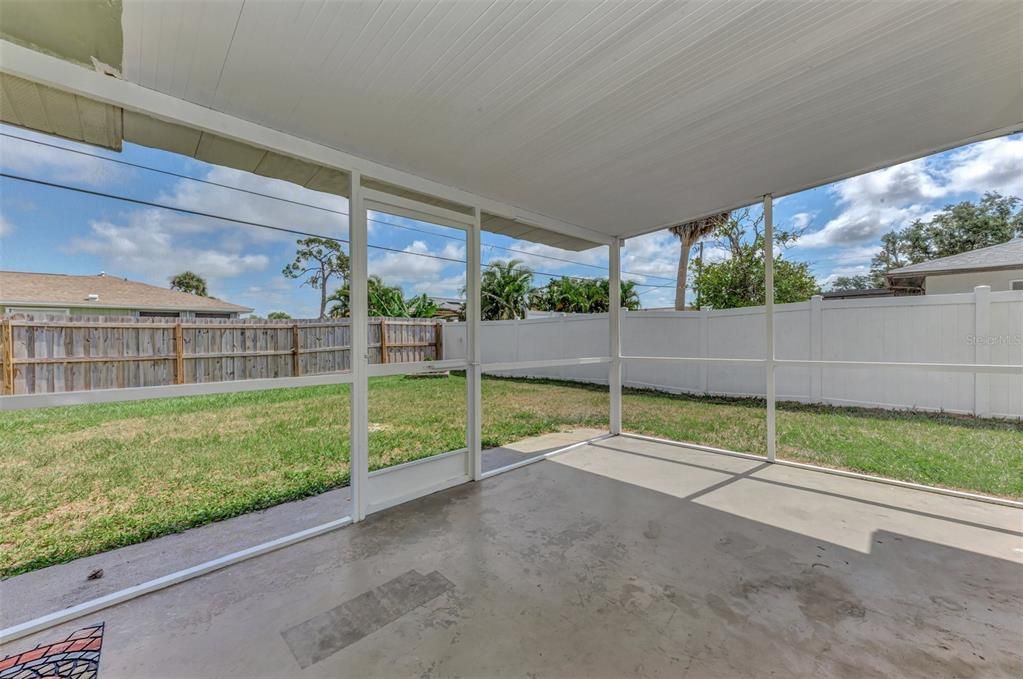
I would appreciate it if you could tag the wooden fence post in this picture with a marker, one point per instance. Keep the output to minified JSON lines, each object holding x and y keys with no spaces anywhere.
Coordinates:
{"x":8,"y":356}
{"x":296,"y":362}
{"x":438,"y":342}
{"x":383,"y":341}
{"x":179,"y":354}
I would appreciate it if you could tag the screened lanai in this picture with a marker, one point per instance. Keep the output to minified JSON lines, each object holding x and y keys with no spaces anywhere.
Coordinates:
{"x":604,"y":550}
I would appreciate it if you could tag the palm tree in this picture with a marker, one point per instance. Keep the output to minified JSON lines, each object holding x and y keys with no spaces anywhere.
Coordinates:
{"x":689,"y":233}
{"x":630,"y":298}
{"x":383,"y":300}
{"x":190,"y":282}
{"x":504,"y":290}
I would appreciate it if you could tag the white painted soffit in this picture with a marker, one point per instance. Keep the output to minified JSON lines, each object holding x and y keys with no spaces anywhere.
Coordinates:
{"x":216,"y":150}
{"x":46,"y":109}
{"x":619,"y":116}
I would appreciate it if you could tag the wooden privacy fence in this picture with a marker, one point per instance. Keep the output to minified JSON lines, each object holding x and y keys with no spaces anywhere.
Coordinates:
{"x":47,"y":354}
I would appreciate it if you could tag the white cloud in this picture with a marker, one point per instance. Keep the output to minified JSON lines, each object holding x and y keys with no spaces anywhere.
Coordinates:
{"x":418,"y":273}
{"x":995,"y":165}
{"x":450,"y":286}
{"x":801,"y":220}
{"x":150,"y":244}
{"x":875,"y":203}
{"x":547,"y":258}
{"x":654,"y":254}
{"x":257,"y":209}
{"x":6,"y":227}
{"x":46,"y":162}
{"x":856,"y":255}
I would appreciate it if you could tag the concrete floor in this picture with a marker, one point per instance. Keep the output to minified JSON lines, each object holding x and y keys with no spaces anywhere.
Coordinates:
{"x":620,"y":558}
{"x":43,"y":591}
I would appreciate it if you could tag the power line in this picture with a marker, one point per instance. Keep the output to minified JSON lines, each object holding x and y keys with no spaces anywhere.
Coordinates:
{"x":208,"y":215}
{"x":520,"y":252}
{"x":171,"y":174}
{"x":148,"y":203}
{"x":179,"y":175}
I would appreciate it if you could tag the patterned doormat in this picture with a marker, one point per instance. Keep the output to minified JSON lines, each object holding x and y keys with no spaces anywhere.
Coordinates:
{"x":76,"y":657}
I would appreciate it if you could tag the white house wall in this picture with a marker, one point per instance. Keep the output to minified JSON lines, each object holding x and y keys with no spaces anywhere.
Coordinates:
{"x":965,"y":282}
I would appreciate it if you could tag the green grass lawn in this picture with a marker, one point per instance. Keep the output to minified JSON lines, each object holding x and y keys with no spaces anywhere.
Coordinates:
{"x":83,"y":479}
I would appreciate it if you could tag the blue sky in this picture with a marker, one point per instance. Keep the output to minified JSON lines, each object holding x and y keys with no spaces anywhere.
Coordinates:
{"x":55,"y":230}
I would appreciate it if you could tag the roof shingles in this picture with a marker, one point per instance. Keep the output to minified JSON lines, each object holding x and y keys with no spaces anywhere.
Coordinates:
{"x":74,"y":291}
{"x":1004,"y":256}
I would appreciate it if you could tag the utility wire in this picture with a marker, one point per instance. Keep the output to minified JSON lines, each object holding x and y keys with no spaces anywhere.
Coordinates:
{"x":302,"y":204}
{"x":198,"y":213}
{"x":148,"y":203}
{"x":171,"y":174}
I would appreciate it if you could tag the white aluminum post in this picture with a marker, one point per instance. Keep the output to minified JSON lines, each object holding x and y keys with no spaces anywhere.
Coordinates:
{"x":769,"y":320}
{"x":615,"y":331}
{"x":982,"y":349}
{"x":703,"y":345}
{"x":474,"y":370}
{"x":816,"y":347}
{"x":358,"y":304}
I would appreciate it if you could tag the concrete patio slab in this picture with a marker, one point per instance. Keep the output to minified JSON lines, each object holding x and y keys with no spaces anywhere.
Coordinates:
{"x":622,"y":557}
{"x":40,"y":592}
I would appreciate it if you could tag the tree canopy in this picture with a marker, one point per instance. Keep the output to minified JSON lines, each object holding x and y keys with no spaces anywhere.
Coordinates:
{"x":957,"y":228}
{"x":505,"y":288}
{"x":317,"y":262}
{"x":384,"y":300}
{"x":688,"y":234}
{"x":738,"y":280}
{"x":581,"y":296}
{"x":190,"y":282}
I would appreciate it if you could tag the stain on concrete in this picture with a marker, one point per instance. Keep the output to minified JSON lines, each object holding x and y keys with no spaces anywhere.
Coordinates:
{"x":822,"y":598}
{"x":736,"y":544}
{"x":723,"y":610}
{"x":327,"y":633}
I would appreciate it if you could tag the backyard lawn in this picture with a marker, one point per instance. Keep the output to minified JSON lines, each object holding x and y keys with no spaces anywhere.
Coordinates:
{"x":83,"y":479}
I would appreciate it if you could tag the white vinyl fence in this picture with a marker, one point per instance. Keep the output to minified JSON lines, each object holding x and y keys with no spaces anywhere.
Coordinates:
{"x":979,"y":327}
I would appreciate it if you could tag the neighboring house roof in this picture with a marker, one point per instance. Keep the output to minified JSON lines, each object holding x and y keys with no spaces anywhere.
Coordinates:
{"x":1008,"y":255}
{"x":857,"y":294}
{"x":102,"y":291}
{"x":448,"y":307}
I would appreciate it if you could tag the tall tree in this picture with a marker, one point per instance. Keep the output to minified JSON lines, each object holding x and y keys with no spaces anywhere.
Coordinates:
{"x":957,"y":228}
{"x":738,"y":280}
{"x":190,"y":282}
{"x":278,"y":315}
{"x":688,"y":234}
{"x":505,"y":288}
{"x":317,"y":262}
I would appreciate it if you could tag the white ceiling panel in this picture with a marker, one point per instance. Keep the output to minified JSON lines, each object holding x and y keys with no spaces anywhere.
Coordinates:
{"x":617,"y":116}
